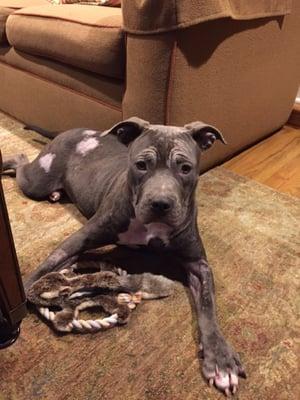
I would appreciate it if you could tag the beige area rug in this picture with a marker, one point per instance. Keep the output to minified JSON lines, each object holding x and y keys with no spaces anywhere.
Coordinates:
{"x":251,"y":234}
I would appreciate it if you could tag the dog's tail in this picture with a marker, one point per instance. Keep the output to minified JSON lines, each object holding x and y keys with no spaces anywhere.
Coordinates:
{"x":43,"y":132}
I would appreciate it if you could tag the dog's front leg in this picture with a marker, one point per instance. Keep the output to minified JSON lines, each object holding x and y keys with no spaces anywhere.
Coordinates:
{"x":96,"y":232}
{"x":221,"y":364}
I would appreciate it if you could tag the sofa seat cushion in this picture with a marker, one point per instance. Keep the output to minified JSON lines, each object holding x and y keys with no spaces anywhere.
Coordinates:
{"x":8,"y":7}
{"x":104,"y":90}
{"x":88,"y":37}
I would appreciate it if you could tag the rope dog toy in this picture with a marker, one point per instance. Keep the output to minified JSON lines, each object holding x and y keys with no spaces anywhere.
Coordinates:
{"x":60,"y":297}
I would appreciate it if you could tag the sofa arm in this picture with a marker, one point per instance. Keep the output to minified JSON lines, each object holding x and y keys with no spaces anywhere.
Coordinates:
{"x":148,"y":75}
{"x":148,"y":17}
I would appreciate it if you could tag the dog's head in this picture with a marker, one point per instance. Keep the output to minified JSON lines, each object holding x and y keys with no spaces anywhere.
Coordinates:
{"x":164,"y":166}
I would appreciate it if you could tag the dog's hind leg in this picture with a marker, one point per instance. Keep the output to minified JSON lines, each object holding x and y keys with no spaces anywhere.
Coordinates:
{"x":15,"y":162}
{"x":31,"y":178}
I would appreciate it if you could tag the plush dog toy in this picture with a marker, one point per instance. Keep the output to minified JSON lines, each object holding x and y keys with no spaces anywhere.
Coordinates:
{"x":61,"y":296}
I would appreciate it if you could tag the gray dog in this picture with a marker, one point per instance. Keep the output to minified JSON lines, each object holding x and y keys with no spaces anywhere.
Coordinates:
{"x":135,"y":183}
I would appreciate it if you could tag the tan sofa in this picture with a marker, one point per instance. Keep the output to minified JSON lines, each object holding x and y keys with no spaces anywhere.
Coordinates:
{"x":234,"y":64}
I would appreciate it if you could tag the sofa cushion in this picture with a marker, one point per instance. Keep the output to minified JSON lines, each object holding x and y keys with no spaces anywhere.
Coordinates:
{"x":87,"y":37}
{"x":106,"y":91}
{"x":8,"y":7}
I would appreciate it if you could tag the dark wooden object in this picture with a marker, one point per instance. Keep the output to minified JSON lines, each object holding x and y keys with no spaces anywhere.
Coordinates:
{"x":294,"y":118}
{"x":12,"y":296}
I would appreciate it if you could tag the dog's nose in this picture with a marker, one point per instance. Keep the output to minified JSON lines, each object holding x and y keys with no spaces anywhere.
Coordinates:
{"x":161,"y":206}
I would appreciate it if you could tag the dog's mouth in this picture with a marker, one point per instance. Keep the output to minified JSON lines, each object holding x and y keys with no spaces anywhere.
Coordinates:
{"x":146,"y":217}
{"x":151,"y":219}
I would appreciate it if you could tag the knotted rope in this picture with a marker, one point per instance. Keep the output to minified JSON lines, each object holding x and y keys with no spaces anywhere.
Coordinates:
{"x":92,"y":325}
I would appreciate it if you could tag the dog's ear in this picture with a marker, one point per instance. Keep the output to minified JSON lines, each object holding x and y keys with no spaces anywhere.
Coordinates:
{"x":128,"y":130}
{"x":205,"y":135}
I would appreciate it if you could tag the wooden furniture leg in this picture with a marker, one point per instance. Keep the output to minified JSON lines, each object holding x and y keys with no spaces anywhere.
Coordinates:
{"x":12,"y":296}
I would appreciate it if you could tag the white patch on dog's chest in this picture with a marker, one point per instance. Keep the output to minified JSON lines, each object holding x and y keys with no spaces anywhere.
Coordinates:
{"x":86,"y":145}
{"x":138,"y":234}
{"x":46,"y":161}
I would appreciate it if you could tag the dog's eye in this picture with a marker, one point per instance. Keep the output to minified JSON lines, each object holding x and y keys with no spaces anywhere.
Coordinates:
{"x":141,"y":165}
{"x":186,"y":168}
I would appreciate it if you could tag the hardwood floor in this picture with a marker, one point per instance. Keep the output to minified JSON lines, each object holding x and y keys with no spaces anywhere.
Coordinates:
{"x":274,"y":162}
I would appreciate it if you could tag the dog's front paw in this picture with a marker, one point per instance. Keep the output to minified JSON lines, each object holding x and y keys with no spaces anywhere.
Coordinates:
{"x":221,"y":364}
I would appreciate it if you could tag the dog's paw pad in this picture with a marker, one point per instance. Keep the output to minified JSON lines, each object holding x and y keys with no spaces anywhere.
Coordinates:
{"x":222,"y":380}
{"x":54,"y":196}
{"x":225,"y":381}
